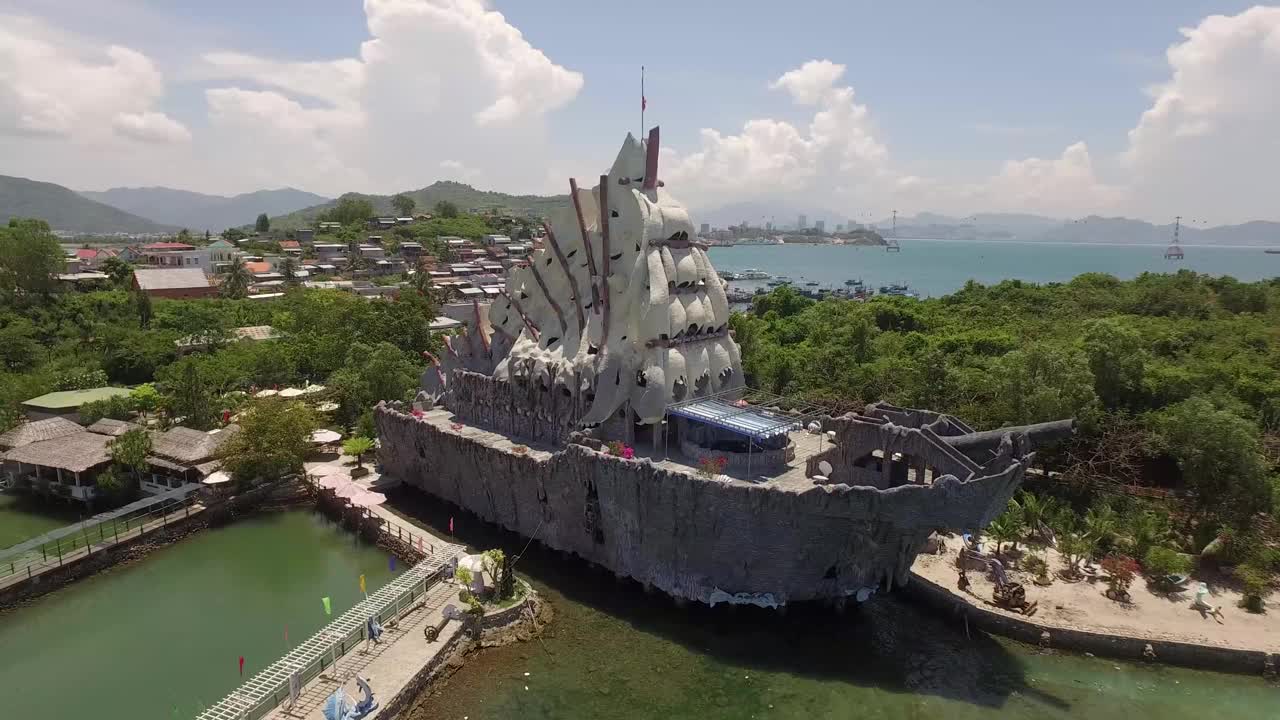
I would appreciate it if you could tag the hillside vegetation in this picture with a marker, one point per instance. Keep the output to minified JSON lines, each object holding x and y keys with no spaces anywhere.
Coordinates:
{"x":200,"y":212}
{"x":463,"y":196}
{"x":67,"y":210}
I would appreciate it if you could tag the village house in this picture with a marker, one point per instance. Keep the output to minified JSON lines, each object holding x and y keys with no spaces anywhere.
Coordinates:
{"x":175,"y":254}
{"x":182,"y":455}
{"x":306,"y":236}
{"x":185,"y":283}
{"x":291,"y":247}
{"x":329,"y":251}
{"x":221,"y":254}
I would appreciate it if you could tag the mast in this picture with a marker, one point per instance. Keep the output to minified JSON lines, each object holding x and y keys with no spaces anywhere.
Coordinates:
{"x":1174,"y":251}
{"x":643,"y":102}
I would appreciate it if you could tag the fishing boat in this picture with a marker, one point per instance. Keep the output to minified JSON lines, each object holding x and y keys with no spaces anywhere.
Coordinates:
{"x":729,"y":275}
{"x":897,"y":289}
{"x":1272,"y":251}
{"x":811,"y":283}
{"x":778,"y":282}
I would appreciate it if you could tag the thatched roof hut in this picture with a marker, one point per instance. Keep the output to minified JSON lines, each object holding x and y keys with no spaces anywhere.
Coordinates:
{"x":38,"y":431}
{"x":73,"y":453}
{"x":112,"y":428}
{"x":182,"y":448}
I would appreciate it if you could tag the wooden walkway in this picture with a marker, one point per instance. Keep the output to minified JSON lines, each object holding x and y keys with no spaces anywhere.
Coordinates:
{"x":36,"y":569}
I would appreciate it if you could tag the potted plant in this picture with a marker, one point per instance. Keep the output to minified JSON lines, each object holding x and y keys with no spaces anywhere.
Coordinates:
{"x":357,"y":447}
{"x":1120,"y":570}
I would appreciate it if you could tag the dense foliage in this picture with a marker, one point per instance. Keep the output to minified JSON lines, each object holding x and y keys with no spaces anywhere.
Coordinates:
{"x":1178,"y":368}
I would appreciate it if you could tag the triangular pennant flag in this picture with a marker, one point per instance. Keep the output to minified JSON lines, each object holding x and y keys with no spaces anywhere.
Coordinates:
{"x":241,"y":666}
{"x":328,"y":609}
{"x":450,"y":524}
{"x":392,"y":562}
{"x":362,"y":590}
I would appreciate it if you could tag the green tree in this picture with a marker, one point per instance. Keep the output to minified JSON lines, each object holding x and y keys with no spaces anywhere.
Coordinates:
{"x":20,"y":349}
{"x":349,"y":209}
{"x":273,"y":441}
{"x":233,"y":235}
{"x":263,"y":223}
{"x":145,"y":398}
{"x":184,"y":236}
{"x":129,"y":452}
{"x":142,"y":302}
{"x":1042,"y":383}
{"x":1220,"y":456}
{"x":189,"y":398}
{"x":353,"y":264}
{"x":288,"y":268}
{"x":119,"y":271}
{"x":356,"y":447}
{"x":403,"y":204}
{"x":115,"y":407}
{"x":30,"y":259}
{"x":236,"y":283}
{"x":1117,"y":360}
{"x":446,"y":209}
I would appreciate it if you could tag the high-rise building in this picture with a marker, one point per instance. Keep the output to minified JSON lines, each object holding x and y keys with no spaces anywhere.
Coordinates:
{"x":803,"y":222}
{"x":706,"y":229}
{"x":820,"y":225}
{"x":839,"y":227}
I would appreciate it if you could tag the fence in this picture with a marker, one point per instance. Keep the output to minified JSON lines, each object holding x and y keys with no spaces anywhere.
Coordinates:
{"x":103,"y":534}
{"x":270,"y":687}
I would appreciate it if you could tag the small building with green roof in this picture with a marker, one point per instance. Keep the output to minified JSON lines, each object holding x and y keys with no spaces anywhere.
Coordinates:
{"x":66,"y":403}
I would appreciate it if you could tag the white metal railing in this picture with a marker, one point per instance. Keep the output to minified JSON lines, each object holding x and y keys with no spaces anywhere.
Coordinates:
{"x":266,"y":690}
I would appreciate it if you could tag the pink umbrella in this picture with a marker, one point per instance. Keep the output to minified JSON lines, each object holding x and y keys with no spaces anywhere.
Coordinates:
{"x":335,"y":482}
{"x":349,"y":490}
{"x":368,"y":499}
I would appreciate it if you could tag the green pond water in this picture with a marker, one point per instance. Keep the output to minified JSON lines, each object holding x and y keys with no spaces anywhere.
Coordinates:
{"x":614,"y":652}
{"x":161,"y":638}
{"x":22,"y":518}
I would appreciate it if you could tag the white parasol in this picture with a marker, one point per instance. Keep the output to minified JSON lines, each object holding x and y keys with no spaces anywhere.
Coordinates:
{"x":291,"y":392}
{"x":266,"y":393}
{"x":327,"y":407}
{"x":324,"y":437}
{"x":217,"y":478}
{"x":349,"y":490}
{"x":334,"y":482}
{"x":312,"y":389}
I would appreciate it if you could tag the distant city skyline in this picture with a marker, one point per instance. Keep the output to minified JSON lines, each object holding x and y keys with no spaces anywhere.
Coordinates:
{"x":1147,"y":111}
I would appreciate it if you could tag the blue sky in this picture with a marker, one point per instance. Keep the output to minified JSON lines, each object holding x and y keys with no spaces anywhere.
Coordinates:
{"x":950,"y":93}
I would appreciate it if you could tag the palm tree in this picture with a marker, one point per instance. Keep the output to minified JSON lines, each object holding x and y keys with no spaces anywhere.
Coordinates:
{"x":1006,"y":528}
{"x":236,"y":282}
{"x":1037,"y":513}
{"x":357,"y":447}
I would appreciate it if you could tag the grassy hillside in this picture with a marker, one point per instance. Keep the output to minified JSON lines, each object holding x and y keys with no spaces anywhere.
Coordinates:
{"x":464,"y":196}
{"x":200,"y":212}
{"x":64,"y":209}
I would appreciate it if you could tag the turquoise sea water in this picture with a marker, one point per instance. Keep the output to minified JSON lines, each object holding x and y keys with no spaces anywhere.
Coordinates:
{"x":938,"y":267}
{"x":614,"y":652}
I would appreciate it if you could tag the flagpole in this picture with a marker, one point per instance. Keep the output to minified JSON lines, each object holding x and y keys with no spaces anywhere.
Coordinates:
{"x":642,"y":102}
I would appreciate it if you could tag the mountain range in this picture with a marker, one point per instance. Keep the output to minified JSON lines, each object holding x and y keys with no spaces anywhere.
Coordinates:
{"x":1091,"y":229}
{"x":66,"y":210}
{"x":462,"y":195}
{"x":199,"y":212}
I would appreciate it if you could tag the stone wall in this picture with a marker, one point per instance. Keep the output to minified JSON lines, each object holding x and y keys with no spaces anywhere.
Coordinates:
{"x":542,"y":416}
{"x":685,"y":535}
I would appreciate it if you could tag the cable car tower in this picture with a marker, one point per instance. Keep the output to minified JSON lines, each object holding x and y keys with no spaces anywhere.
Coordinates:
{"x":891,"y":245}
{"x":1174,"y":251}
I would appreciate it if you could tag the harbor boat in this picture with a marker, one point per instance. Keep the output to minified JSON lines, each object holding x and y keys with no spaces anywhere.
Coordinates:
{"x":898,"y":290}
{"x":740,"y":295}
{"x":728,"y":275}
{"x":811,"y":283}
{"x":854,"y":283}
{"x":753,"y":274}
{"x":1272,"y":251}
{"x":778,"y":282}
{"x":603,"y":411}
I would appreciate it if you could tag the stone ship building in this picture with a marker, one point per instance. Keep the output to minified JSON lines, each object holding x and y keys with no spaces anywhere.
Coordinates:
{"x":600,"y":408}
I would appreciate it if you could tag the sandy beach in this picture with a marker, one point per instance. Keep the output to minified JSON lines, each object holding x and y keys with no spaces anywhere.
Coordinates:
{"x":1083,"y":606}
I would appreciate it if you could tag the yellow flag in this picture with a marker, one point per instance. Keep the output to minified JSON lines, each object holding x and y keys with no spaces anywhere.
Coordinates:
{"x":328,"y":609}
{"x":362,"y":585}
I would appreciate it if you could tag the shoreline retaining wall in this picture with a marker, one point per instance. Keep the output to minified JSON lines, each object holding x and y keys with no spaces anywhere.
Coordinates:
{"x":1192,"y":655}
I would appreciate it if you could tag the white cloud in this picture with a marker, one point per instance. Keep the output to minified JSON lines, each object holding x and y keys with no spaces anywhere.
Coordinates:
{"x":56,"y":87}
{"x":810,"y":83}
{"x":1209,"y":145}
{"x":437,"y":77}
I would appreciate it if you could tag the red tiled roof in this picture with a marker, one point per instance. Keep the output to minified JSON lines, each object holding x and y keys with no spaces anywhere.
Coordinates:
{"x":86,"y":253}
{"x":289,"y":244}
{"x":258,"y":267}
{"x":168,"y":246}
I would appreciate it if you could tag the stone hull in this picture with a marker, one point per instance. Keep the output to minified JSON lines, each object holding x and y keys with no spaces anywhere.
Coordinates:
{"x":685,"y":535}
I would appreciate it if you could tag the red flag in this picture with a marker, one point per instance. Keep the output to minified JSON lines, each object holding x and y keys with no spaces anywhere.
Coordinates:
{"x":241,"y":666}
{"x":644,"y":104}
{"x":286,"y":635}
{"x":450,"y":524}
